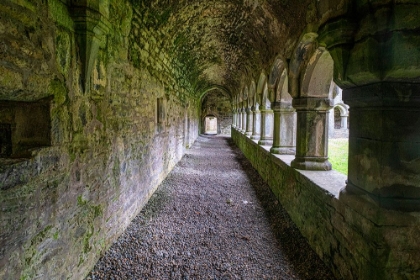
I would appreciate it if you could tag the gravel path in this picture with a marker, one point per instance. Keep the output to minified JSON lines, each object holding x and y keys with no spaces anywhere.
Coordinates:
{"x":212,"y":218}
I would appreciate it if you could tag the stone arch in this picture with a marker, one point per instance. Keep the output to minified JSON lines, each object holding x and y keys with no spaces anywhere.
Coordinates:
{"x":317,"y":77}
{"x":255,"y":109}
{"x":282,"y":90}
{"x":218,"y":104}
{"x":310,"y":75}
{"x":245,"y":97}
{"x":284,"y":136}
{"x":262,"y":81}
{"x":299,"y":61}
{"x":343,"y":108}
{"x":343,"y":111}
{"x":215,"y":87}
{"x":265,"y":101}
{"x":276,"y":77}
{"x":252,"y":93}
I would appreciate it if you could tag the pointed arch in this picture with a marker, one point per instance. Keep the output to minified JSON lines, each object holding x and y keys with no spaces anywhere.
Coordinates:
{"x":275,"y":77}
{"x":215,"y":87}
{"x":252,"y":93}
{"x":317,"y":76}
{"x":262,"y":82}
{"x":245,"y":97}
{"x":282,"y":90}
{"x":265,"y":101}
{"x":299,"y":61}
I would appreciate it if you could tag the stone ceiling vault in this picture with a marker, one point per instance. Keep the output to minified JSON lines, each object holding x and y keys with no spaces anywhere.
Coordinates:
{"x":223,"y":43}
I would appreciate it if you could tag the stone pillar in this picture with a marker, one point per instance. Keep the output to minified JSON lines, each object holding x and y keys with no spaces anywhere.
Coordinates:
{"x":243,"y":121}
{"x":239,"y":120}
{"x":233,"y":118}
{"x":384,"y":144}
{"x":256,"y":127}
{"x":266,"y":127}
{"x":249,"y":122}
{"x":312,"y":133}
{"x":284,"y":129}
{"x":344,"y":122}
{"x":331,"y":123}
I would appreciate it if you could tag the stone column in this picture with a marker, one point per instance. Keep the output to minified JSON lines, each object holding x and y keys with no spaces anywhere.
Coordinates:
{"x":238,"y":116}
{"x":266,"y":127}
{"x":243,"y":121}
{"x":384,"y":144}
{"x":233,"y":118}
{"x":284,"y":129}
{"x":249,"y":122}
{"x":331,"y":123}
{"x":239,"y":120}
{"x":344,"y":122}
{"x":312,"y":133}
{"x":256,"y":127}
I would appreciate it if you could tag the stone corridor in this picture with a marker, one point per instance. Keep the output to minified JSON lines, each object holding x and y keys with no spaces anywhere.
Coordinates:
{"x":213,"y":217}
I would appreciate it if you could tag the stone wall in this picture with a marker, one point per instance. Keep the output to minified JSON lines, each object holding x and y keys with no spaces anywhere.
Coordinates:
{"x":68,"y":198}
{"x":352,"y":235}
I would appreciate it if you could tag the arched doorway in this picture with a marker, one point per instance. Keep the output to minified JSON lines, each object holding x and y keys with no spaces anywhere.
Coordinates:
{"x":210,"y":125}
{"x":340,"y":116}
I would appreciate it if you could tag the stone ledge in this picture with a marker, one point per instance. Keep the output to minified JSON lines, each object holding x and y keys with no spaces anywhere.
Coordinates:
{"x":330,"y":181}
{"x":15,"y":172}
{"x":355,"y":237}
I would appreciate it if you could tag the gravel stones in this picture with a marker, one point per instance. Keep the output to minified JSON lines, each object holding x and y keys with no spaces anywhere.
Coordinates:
{"x":212,"y":218}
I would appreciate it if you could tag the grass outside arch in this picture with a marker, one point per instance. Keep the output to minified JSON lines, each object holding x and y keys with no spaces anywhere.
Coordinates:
{"x":338,"y":152}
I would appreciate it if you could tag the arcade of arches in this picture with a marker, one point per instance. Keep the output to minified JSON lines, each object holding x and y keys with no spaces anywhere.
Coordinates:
{"x":100,"y":99}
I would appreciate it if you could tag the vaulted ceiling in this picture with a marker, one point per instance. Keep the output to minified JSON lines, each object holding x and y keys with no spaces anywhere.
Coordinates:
{"x":225,"y":42}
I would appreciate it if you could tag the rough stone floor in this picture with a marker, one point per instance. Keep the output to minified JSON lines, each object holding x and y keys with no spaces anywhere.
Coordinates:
{"x":212,"y":218}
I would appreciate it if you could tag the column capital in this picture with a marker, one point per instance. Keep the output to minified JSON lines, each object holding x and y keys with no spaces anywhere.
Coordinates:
{"x":282,"y":106}
{"x":312,"y":103}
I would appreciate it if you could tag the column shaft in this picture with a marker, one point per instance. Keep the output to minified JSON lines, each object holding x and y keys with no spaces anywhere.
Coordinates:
{"x":312,"y":133}
{"x":266,"y":127}
{"x":256,"y":128}
{"x":384,"y":144}
{"x":249,"y":122}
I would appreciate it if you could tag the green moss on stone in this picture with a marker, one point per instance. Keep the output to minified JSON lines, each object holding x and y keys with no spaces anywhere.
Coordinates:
{"x":59,"y":90}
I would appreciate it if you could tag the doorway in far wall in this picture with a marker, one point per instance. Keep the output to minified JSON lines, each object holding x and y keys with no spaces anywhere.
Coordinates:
{"x":210,"y":125}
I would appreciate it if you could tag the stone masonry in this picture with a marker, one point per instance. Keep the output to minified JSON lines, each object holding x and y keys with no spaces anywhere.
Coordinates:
{"x":100,"y":99}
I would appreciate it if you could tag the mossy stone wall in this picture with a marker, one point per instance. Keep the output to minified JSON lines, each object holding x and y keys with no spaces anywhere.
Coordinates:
{"x":64,"y":204}
{"x":355,"y":237}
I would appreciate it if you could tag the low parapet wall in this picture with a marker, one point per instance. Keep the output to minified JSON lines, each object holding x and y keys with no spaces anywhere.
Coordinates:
{"x":352,"y":235}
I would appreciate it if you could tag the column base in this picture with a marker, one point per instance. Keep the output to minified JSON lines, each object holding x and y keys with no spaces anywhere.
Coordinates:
{"x":256,"y":137}
{"x":265,"y":142}
{"x":283,"y":150}
{"x":312,"y":163}
{"x":248,"y":133}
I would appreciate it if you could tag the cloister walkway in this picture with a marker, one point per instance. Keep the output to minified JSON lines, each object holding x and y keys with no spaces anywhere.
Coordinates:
{"x":212,"y":218}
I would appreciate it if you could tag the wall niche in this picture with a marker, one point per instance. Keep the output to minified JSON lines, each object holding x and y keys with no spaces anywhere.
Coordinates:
{"x":24,"y":126}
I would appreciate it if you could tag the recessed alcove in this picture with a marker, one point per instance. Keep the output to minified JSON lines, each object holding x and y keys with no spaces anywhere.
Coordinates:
{"x":210,"y":124}
{"x":24,"y":126}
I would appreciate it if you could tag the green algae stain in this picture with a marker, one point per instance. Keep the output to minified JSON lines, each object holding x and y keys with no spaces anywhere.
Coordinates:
{"x":58,"y":90}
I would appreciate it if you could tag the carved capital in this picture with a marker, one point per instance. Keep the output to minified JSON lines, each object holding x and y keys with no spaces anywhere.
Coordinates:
{"x":312,"y":104}
{"x":90,"y":27}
